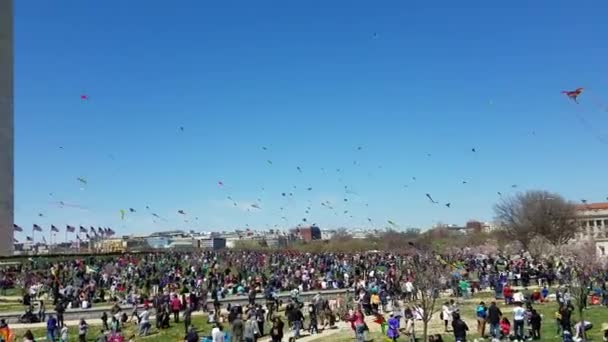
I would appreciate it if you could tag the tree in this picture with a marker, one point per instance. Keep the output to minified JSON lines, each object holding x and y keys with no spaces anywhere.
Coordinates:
{"x":429,"y":276}
{"x":537,"y":213}
{"x":584,"y":268}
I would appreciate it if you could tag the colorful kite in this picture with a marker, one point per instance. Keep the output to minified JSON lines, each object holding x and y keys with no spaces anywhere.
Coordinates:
{"x":122,"y":214}
{"x":573,"y":94}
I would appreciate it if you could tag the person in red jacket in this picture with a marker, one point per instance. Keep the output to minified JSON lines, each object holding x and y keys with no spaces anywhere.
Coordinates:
{"x":508,"y":294}
{"x":176,"y":306}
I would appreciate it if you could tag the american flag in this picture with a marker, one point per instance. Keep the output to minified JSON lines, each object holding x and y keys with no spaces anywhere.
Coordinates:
{"x":93,"y":231}
{"x":29,"y":238}
{"x":17,"y":228}
{"x":100,"y":231}
{"x":110,"y":232}
{"x":54,"y":229}
{"x":37,"y":228}
{"x":70,"y":229}
{"x":83,"y":229}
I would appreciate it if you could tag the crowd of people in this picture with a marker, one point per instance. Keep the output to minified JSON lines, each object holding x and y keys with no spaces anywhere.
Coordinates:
{"x":174,"y":285}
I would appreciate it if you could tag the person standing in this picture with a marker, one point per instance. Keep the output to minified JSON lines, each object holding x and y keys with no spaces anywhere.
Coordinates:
{"x":64,"y":334}
{"x":251,"y":329}
{"x":176,"y":306}
{"x":494,"y":315}
{"x":460,"y":328}
{"x":60,"y":309}
{"x":82,"y":330}
{"x":482,"y":314}
{"x":296,"y":317}
{"x":144,"y":322}
{"x":237,"y":329}
{"x":188,"y":317}
{"x":535,"y":323}
{"x":446,"y":315}
{"x":276,"y":331}
{"x":51,"y":328}
{"x":519,"y":314}
{"x":217,"y":333}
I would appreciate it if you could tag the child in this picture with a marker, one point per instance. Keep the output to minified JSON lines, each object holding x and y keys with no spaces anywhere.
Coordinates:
{"x":313,"y":328}
{"x":505,"y":328}
{"x":64,"y":334}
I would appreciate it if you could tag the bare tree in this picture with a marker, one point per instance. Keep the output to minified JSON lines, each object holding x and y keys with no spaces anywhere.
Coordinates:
{"x":584,"y":268}
{"x":537,"y":213}
{"x":428,"y":280}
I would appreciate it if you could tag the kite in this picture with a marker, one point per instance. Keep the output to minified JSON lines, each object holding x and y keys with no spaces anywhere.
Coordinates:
{"x":473,"y":149}
{"x":264,"y":148}
{"x":181,"y":128}
{"x":346,"y":211}
{"x":155,"y":215}
{"x":584,"y":201}
{"x":304,"y":220}
{"x":220,"y":183}
{"x":82,"y":180}
{"x":573,"y":94}
{"x":499,"y":193}
{"x":413,"y":178}
{"x":309,"y":189}
{"x":131,"y":210}
{"x":391,"y":223}
{"x":147,"y":207}
{"x":122,"y":214}
{"x":448,"y":205}
{"x":431,"y":198}
{"x":40,"y":215}
{"x":359,"y":148}
{"x":346,"y":200}
{"x":84,"y":97}
{"x":299,"y":169}
{"x":369,"y":219}
{"x":464,"y":182}
{"x":514,"y":186}
{"x":181,"y":212}
{"x":269,"y":162}
{"x":255,"y":206}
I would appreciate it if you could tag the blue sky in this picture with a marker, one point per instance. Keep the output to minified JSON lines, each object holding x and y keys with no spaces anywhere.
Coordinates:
{"x":312,"y":81}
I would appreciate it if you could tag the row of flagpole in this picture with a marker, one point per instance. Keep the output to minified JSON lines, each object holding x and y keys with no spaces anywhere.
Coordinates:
{"x":99,"y":233}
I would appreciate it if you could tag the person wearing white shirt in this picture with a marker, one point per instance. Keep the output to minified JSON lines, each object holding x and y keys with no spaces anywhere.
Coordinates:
{"x":518,"y":321}
{"x":217,"y":334}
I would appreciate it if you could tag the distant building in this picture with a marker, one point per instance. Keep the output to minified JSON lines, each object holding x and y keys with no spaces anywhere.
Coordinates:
{"x":213,"y":243}
{"x":327,"y":234}
{"x":593,"y":220}
{"x":307,"y":234}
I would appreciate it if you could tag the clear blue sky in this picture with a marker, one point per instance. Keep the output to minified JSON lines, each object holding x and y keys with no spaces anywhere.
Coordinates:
{"x":311,"y":81}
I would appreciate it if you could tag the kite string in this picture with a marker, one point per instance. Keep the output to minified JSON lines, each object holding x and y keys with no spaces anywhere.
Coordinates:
{"x":589,"y":127}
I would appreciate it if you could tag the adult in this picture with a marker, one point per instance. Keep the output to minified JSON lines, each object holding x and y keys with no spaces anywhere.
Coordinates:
{"x":191,"y":335}
{"x":82,"y":330}
{"x":494,"y":315}
{"x":482,"y":313}
{"x":51,"y":328}
{"x":276,"y":332}
{"x":237,"y":329}
{"x":460,"y":328}
{"x":519,"y":314}
{"x":217,"y":333}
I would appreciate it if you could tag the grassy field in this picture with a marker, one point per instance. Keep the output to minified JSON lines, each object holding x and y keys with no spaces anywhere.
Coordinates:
{"x":174,"y":333}
{"x":595,"y":314}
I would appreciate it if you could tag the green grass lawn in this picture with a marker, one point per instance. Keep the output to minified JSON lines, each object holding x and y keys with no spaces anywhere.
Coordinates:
{"x":11,"y":307}
{"x":174,"y":333}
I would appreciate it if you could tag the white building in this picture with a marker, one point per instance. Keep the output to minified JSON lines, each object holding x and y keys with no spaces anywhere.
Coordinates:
{"x":593,"y":219}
